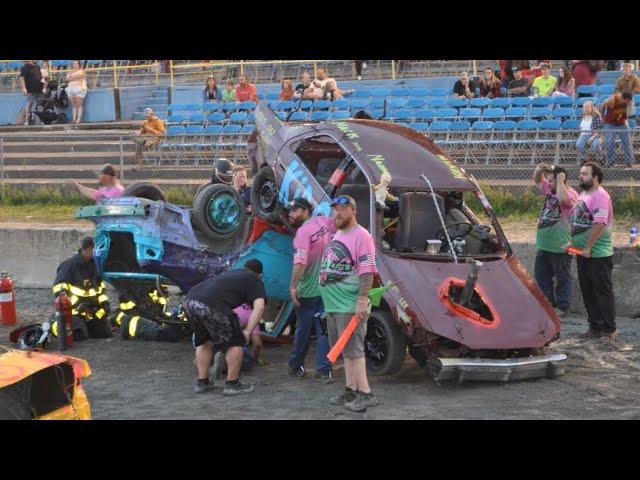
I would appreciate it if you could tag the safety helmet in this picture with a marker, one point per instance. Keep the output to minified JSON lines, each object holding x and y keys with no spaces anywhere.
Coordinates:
{"x":223,"y":170}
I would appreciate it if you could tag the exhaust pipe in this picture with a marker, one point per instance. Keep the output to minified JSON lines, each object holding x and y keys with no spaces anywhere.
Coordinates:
{"x":470,"y":285}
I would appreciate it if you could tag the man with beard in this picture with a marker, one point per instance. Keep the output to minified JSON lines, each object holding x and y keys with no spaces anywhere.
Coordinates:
{"x":591,"y":223}
{"x":346,"y":277}
{"x":553,"y":234}
{"x":311,"y":238}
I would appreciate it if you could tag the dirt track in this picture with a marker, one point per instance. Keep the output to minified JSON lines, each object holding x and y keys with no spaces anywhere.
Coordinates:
{"x":136,"y":380}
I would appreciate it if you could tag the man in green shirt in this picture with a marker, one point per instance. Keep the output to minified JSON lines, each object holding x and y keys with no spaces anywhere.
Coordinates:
{"x":544,"y":85}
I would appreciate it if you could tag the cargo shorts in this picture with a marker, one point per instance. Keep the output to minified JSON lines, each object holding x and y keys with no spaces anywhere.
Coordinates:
{"x":223,"y":331}
{"x":336,"y":324}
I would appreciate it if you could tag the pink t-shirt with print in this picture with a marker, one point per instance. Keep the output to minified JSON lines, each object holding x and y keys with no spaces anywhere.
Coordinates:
{"x":105,"y":193}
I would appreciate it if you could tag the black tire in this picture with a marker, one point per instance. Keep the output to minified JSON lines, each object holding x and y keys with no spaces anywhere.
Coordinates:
{"x":200,"y":188}
{"x":264,"y":195}
{"x":419,"y":355}
{"x":145,"y":190}
{"x":230,"y":217}
{"x":385,"y":345}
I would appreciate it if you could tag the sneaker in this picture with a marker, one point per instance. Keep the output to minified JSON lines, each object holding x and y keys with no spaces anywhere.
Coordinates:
{"x":561,"y":313}
{"x":219,"y":365}
{"x":348,"y":396}
{"x":299,"y":372}
{"x":202,"y":386}
{"x":237,"y":388}
{"x":325,"y":377}
{"x":362,"y":402}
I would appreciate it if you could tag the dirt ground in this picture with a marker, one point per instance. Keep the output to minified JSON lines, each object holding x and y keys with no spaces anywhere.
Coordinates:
{"x":138,"y":380}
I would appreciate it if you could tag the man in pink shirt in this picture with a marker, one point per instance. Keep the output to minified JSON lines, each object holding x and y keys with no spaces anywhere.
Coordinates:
{"x":109,"y":186}
{"x":311,"y":238}
{"x":246,"y":91}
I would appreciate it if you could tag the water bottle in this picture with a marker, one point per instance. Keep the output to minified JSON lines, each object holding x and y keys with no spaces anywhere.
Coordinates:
{"x":633,"y":236}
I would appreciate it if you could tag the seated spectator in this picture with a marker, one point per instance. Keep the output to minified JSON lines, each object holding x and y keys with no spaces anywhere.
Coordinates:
{"x":489,"y":84}
{"x":584,"y":71}
{"x":519,"y":86}
{"x":464,"y":88}
{"x":305,"y":82}
{"x":566,"y":85}
{"x":211,"y":91}
{"x":314,"y":91}
{"x":109,"y":186}
{"x":544,"y":85}
{"x":287,"y":90}
{"x":151,"y":125}
{"x":628,"y":82}
{"x":329,"y":85}
{"x":590,"y":131}
{"x":229,"y":94}
{"x":246,"y":91}
{"x":239,"y":182}
{"x":536,"y":71}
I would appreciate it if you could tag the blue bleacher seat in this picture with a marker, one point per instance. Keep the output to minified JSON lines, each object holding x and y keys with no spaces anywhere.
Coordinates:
{"x":479,"y":102}
{"x":586,"y":90}
{"x":461,"y":125}
{"x":439,"y":92}
{"x":492,"y":113}
{"x":248,"y":128}
{"x":376,"y":114}
{"x":251,"y":118}
{"x":197,"y":117}
{"x":273,"y":96}
{"x":238,"y":117}
{"x":504,"y":125}
{"x":380,"y":92}
{"x":362,"y":93}
{"x":376,"y":103}
{"x":563,"y":101}
{"x":632,"y":123}
{"x":550,"y":125}
{"x":515,"y":112}
{"x":339,"y":115}
{"x":454,"y":102}
{"x":399,"y":92}
{"x":500,"y":102}
{"x":426,"y":114}
{"x":447,"y":113}
{"x":229,"y":106}
{"x":299,"y":116}
{"x":403,"y":114}
{"x":636,"y":99}
{"x":260,"y":96}
{"x":606,"y":90}
{"x":176,"y":118}
{"x":562,"y":113}
{"x":482,"y":125}
{"x":283,"y":105}
{"x":319,"y":116}
{"x":305,"y":105}
{"x":359,"y":104}
{"x":321,"y":105}
{"x":341,"y":104}
{"x":282,"y":115}
{"x":440,"y":125}
{"x":174,"y":130}
{"x":192,"y":107}
{"x":581,"y":100}
{"x":396,"y":103}
{"x":539,"y":112}
{"x":416,"y":103}
{"x":419,"y":92}
{"x":578,"y":112}
{"x":571,"y":124}
{"x":436,"y":102}
{"x":520,"y":101}
{"x":419,"y":126}
{"x":470,"y":112}
{"x":175,"y":107}
{"x":527,"y":125}
{"x":194,"y":130}
{"x":542,"y":101}
{"x":212,"y":106}
{"x":231,"y":129}
{"x":247,"y":106}
{"x":213,"y":129}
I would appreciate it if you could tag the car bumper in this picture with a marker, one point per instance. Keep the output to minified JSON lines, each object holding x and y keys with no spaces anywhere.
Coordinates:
{"x":498,"y":370}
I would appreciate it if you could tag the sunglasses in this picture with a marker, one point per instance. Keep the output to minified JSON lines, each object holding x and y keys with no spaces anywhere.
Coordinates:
{"x":341,"y":201}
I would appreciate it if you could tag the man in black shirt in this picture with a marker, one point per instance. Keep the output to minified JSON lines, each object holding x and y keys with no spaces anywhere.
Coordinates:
{"x":519,"y":86}
{"x":30,"y":84}
{"x":209,"y":305}
{"x":464,"y":88}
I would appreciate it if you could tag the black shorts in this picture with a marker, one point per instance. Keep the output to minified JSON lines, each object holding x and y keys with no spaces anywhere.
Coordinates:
{"x":223,"y":330}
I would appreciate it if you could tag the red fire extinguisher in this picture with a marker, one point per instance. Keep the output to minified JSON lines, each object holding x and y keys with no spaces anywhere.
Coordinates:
{"x":65,"y":321}
{"x":7,"y":300}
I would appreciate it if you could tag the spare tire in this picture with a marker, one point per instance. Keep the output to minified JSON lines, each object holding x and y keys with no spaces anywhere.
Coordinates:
{"x":144,"y":190}
{"x":264,"y":195}
{"x":218,"y":212}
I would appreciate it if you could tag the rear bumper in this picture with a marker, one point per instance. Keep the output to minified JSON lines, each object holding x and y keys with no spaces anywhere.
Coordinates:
{"x":498,"y":370}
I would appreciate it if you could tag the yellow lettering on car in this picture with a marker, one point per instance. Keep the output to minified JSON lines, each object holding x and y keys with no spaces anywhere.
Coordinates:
{"x":344,"y":127}
{"x":456,"y":172}
{"x":378,"y":161}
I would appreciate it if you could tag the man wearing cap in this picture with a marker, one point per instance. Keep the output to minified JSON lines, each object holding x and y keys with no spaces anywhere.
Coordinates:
{"x":151,"y":125}
{"x":545,"y":84}
{"x":519,"y":86}
{"x":628,"y":82}
{"x":109,"y":186}
{"x":311,"y":238}
{"x":346,"y":276}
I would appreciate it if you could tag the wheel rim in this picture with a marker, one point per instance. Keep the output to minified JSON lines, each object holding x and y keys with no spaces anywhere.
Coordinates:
{"x":223,"y":213}
{"x":375,"y":343}
{"x":267,"y":195}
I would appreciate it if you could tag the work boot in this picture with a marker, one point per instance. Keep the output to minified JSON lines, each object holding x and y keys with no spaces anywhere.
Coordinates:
{"x":324,"y":377}
{"x":203,"y":386}
{"x":610,"y":335}
{"x":236,"y":388}
{"x":299,"y":372}
{"x":348,"y":396}
{"x":219,"y":365}
{"x":561,"y":313}
{"x":362,"y":402}
{"x":591,"y":333}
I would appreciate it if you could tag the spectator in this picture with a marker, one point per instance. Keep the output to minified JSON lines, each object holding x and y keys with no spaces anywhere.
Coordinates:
{"x":628,"y":82}
{"x":553,"y":234}
{"x":31,"y":85}
{"x":359,"y":64}
{"x":287,"y":91}
{"x":584,"y":71}
{"x":109,"y":186}
{"x":314,"y":91}
{"x":211,"y":91}
{"x":566,"y":85}
{"x":614,"y":114}
{"x":328,"y":85}
{"x":591,"y":222}
{"x":544,"y":85}
{"x":519,"y":86}
{"x":44,"y":72}
{"x":590,"y":128}
{"x":239,"y":182}
{"x":246,"y":91}
{"x":489,"y":84}
{"x":464,"y":88}
{"x":229,"y":94}
{"x":77,"y":89}
{"x":305,"y":83}
{"x":151,"y":125}
{"x":536,"y":71}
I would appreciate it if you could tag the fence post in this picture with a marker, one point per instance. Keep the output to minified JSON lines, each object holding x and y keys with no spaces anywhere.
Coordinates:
{"x":475,"y":68}
{"x":2,"y":167}
{"x":241,"y":67}
{"x":171,"y":73}
{"x":115,"y":75}
{"x":121,"y":160}
{"x":393,"y":69}
{"x":315,"y":70}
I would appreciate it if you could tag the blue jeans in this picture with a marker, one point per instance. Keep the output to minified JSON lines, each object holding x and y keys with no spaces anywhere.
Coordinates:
{"x":308,"y":317}
{"x":610,"y":134}
{"x":581,"y":144}
{"x":549,"y":265}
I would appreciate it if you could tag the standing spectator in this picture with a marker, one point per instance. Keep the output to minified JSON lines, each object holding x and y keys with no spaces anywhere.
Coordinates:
{"x":31,"y":85}
{"x":614,"y":114}
{"x":44,"y":72}
{"x":346,"y":276}
{"x":464,"y":88}
{"x":584,"y":71}
{"x":519,"y":86}
{"x":305,"y":83}
{"x":246,"y":91}
{"x":552,"y":236}
{"x":591,"y":223}
{"x":628,"y":82}
{"x":109,"y":186}
{"x":311,"y":238}
{"x":590,"y":128}
{"x":211,"y":91}
{"x":229,"y":94}
{"x":239,"y":182}
{"x":566,"y":85}
{"x":544,"y":85}
{"x":359,"y":64}
{"x":287,"y":91}
{"x":489,"y":84}
{"x":151,"y":125}
{"x":77,"y":89}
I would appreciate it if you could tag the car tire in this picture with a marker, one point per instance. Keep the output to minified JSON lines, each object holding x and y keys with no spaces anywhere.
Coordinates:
{"x":385,"y":344}
{"x":264,"y":196}
{"x":144,"y":190}
{"x":218,"y":212}
{"x":200,"y":188}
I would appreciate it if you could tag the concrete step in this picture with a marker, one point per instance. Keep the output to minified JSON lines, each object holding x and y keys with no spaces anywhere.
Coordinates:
{"x":35,"y":183}
{"x":80,"y":128}
{"x":81,"y":172}
{"x":26,"y":148}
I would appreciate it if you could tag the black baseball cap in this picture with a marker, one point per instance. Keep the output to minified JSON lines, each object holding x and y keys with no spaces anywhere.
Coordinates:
{"x":108,"y":169}
{"x":300,"y":202}
{"x":344,"y":200}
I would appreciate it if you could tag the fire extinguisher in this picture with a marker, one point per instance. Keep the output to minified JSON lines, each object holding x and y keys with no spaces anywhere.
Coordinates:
{"x":65,"y":321}
{"x":7,"y":300}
